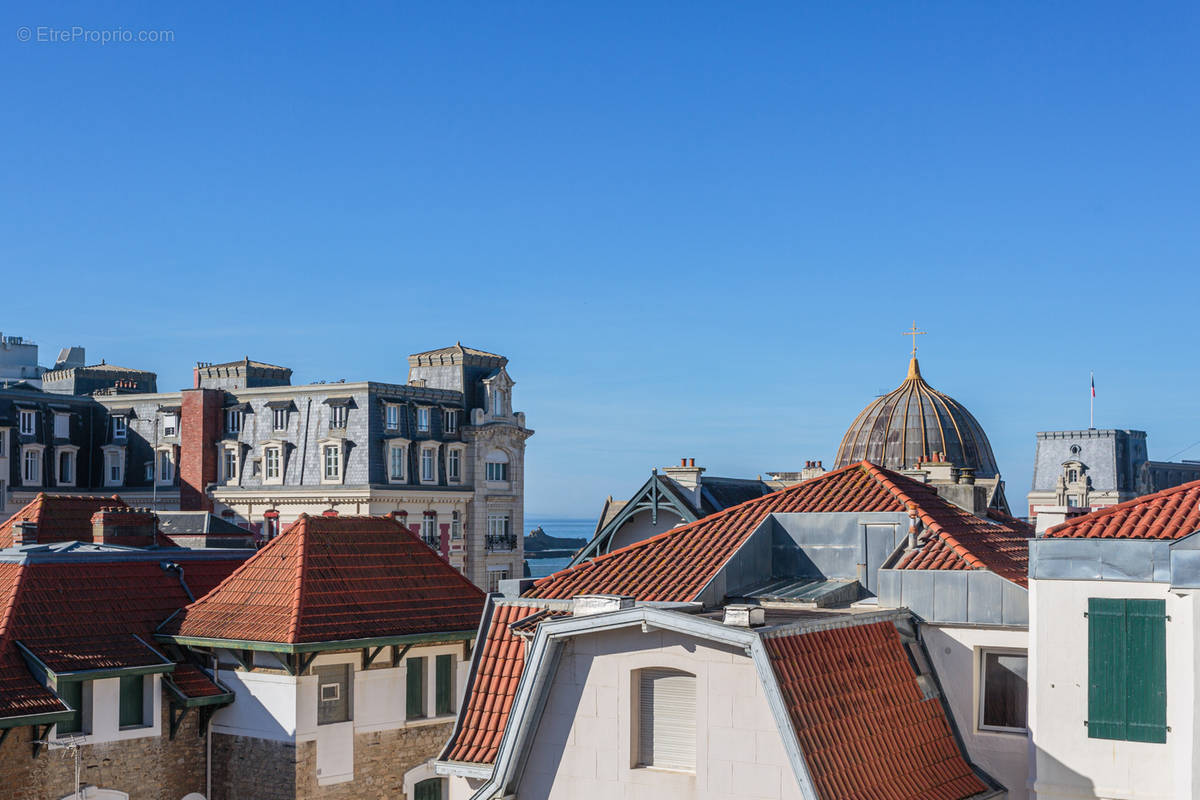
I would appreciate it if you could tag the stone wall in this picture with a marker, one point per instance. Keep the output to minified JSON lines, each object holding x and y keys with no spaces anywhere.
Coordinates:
{"x":246,"y":768}
{"x":153,"y":768}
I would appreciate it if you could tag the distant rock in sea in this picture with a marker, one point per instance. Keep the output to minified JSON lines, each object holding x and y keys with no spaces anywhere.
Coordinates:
{"x":538,"y":542}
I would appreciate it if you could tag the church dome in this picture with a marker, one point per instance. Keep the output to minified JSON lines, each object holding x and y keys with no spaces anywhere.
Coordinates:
{"x":911,"y":424}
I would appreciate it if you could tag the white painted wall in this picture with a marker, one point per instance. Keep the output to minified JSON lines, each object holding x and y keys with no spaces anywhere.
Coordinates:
{"x":956,"y":654}
{"x":102,"y":711}
{"x":584,"y":745}
{"x":1068,"y":763}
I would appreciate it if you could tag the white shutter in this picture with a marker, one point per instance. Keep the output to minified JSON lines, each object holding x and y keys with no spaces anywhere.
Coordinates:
{"x":667,"y":719}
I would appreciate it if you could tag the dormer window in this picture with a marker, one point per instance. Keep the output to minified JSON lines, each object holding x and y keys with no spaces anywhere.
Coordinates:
{"x":233,"y":421}
{"x":229,"y":464}
{"x":279,"y":419}
{"x":391,"y":416}
{"x":118,"y":427}
{"x":497,"y":403}
{"x":423,"y":420}
{"x":170,"y":424}
{"x":1072,"y":475}
{"x":26,"y":422}
{"x":62,"y":426}
{"x":451,"y":421}
{"x":337,"y":417}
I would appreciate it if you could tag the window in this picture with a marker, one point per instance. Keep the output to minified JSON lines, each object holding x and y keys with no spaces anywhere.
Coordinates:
{"x":499,"y":536}
{"x":62,"y":426}
{"x":279,"y":419}
{"x":32,"y":466}
{"x":166,"y":467}
{"x":118,"y":427}
{"x":132,"y":713}
{"x":429,"y":531}
{"x":26,"y":422}
{"x":497,"y":403}
{"x":430,"y":789}
{"x":1005,"y":693}
{"x":1073,"y":500}
{"x":427,"y":471}
{"x":1072,"y":475}
{"x":3,"y":452}
{"x":170,"y":425}
{"x":149,"y":471}
{"x":272,"y":463}
{"x":1127,"y":669}
{"x":455,"y":525}
{"x":497,"y":471}
{"x":494,"y":577}
{"x":114,"y":466}
{"x":451,"y":421}
{"x":454,"y":465}
{"x":270,"y":526}
{"x":415,"y":694}
{"x":423,"y":419}
{"x":333,"y":693}
{"x":229,"y":463}
{"x":392,"y":417}
{"x":337,"y":417}
{"x":74,"y":694}
{"x":66,"y":467}
{"x":444,"y":684}
{"x":233,"y":421}
{"x":396,"y":458}
{"x":666,"y":735}
{"x":332,"y":458}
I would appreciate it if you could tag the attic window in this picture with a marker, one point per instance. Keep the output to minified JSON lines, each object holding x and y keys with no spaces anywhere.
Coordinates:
{"x":26,"y":422}
{"x":666,"y":735}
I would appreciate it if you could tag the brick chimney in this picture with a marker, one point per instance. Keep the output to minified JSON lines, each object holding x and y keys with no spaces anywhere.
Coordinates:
{"x":124,"y":526}
{"x":199,"y":427}
{"x":24,"y":532}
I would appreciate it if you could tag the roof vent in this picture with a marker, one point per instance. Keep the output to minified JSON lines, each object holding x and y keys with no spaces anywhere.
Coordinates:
{"x":744,"y":615}
{"x":24,"y":532}
{"x":584,"y":605}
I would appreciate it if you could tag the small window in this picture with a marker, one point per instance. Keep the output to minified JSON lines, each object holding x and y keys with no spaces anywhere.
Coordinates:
{"x":1004,"y":696}
{"x":1074,"y":449}
{"x":26,"y":422}
{"x":427,"y":465}
{"x":392,"y":417}
{"x":333,"y":462}
{"x":74,"y":694}
{"x":451,"y":421}
{"x":423,"y":420}
{"x":396,"y":458}
{"x":1072,"y":475}
{"x":149,"y":471}
{"x":233,"y":421}
{"x":497,"y":471}
{"x":132,"y":706}
{"x":432,"y":789}
{"x":279,"y":419}
{"x":497,"y":403}
{"x":114,"y":464}
{"x":66,"y":467}
{"x":33,"y":467}
{"x":272,"y":463}
{"x":62,"y":426}
{"x":118,"y":427}
{"x":229,"y":463}
{"x":456,"y":525}
{"x":415,"y":685}
{"x":494,"y":577}
{"x":333,"y":693}
{"x":170,"y":425}
{"x":429,"y":531}
{"x":444,"y":684}
{"x":666,"y":736}
{"x":166,"y":467}
{"x":454,"y":465}
{"x":337,"y":417}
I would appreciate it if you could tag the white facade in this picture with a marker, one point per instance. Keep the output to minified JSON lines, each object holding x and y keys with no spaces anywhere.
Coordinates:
{"x":101,"y":713}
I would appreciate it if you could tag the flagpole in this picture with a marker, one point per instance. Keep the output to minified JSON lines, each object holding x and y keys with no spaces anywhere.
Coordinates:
{"x":1092,"y":404}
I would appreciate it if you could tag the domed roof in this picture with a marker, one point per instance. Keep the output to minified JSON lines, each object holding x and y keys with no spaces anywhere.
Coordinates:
{"x":911,"y":424}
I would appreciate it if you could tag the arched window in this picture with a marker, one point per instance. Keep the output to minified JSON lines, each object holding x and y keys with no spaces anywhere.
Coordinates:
{"x":666,"y":735}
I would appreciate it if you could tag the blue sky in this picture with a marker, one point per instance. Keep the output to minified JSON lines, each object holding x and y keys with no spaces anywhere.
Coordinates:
{"x":695,"y":229}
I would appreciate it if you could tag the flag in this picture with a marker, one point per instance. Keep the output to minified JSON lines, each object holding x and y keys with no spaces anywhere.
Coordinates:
{"x":1093,"y":384}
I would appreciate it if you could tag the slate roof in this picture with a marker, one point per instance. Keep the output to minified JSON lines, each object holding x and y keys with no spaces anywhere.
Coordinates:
{"x":1169,"y":514}
{"x":676,"y":565}
{"x":330,"y":579}
{"x":496,"y":676}
{"x":866,"y":730}
{"x":457,"y":348}
{"x":247,"y":362}
{"x":717,"y":494}
{"x":84,"y":613}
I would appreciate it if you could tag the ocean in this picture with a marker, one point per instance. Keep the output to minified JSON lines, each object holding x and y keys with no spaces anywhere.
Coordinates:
{"x":556,"y":526}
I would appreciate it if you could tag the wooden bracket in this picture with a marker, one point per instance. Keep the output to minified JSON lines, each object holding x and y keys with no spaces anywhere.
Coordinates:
{"x":369,"y":656}
{"x":177,"y":713}
{"x":398,"y":654}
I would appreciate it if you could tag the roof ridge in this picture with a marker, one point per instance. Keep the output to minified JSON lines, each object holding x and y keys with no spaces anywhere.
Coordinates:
{"x":1100,"y":513}
{"x":6,"y":613}
{"x":302,"y":532}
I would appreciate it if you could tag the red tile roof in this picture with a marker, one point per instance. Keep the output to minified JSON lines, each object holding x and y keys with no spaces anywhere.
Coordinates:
{"x":496,"y":677}
{"x":1169,"y":514}
{"x":78,"y":615}
{"x":60,"y":518}
{"x":678,"y":564}
{"x":194,"y":682}
{"x":328,"y":579}
{"x":864,"y":726}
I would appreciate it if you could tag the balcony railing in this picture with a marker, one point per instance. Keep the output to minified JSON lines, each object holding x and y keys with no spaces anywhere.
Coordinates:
{"x":505,"y":542}
{"x":434,"y":541}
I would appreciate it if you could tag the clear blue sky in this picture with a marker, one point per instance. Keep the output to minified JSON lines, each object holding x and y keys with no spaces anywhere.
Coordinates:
{"x":695,"y":229}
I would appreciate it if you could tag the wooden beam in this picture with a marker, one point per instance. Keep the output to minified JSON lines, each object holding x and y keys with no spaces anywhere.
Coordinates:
{"x":368,"y":656}
{"x":304,"y":660}
{"x":398,"y":654}
{"x":176,"y":718}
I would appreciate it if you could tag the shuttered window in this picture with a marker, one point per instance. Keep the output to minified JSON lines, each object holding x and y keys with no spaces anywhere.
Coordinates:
{"x":415,"y":704}
{"x":666,"y":719}
{"x":444,"y":686}
{"x":132,"y":709}
{"x":71,"y":693}
{"x":1127,"y":669}
{"x":428,"y":790}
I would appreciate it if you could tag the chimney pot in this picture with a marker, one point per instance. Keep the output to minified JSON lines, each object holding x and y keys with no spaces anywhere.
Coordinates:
{"x":691,"y":462}
{"x":683,"y":462}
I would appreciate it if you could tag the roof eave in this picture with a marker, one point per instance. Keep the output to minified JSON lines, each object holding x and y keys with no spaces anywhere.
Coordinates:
{"x":311,"y":647}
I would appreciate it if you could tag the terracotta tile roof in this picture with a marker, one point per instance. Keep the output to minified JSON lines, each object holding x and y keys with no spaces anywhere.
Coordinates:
{"x":495,"y":684}
{"x":1169,"y":514}
{"x":60,"y":518}
{"x":679,"y":563}
{"x":865,"y":728}
{"x":194,"y":682}
{"x":81,"y":615}
{"x":328,"y":579}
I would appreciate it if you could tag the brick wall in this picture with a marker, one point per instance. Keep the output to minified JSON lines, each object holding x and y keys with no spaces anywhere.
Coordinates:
{"x":200,"y":420}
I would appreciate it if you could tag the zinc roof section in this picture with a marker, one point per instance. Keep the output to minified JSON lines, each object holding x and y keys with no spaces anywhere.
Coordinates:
{"x":328,"y":579}
{"x":865,"y":728}
{"x":1170,"y":514}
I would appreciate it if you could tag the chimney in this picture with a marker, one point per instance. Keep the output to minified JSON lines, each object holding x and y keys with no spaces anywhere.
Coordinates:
{"x":24,"y":532}
{"x":687,"y":476}
{"x":584,"y":605}
{"x":124,"y":526}
{"x":744,"y":615}
{"x":199,"y":427}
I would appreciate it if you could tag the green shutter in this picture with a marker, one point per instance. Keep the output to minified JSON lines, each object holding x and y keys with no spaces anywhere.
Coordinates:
{"x":131,"y":701}
{"x":416,"y":688}
{"x":445,"y":684}
{"x":1146,"y":695}
{"x":428,"y":790}
{"x":1127,"y":669}
{"x":71,"y":693}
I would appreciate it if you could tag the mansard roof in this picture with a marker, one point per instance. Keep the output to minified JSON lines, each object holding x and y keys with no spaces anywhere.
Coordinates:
{"x":334,"y":579}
